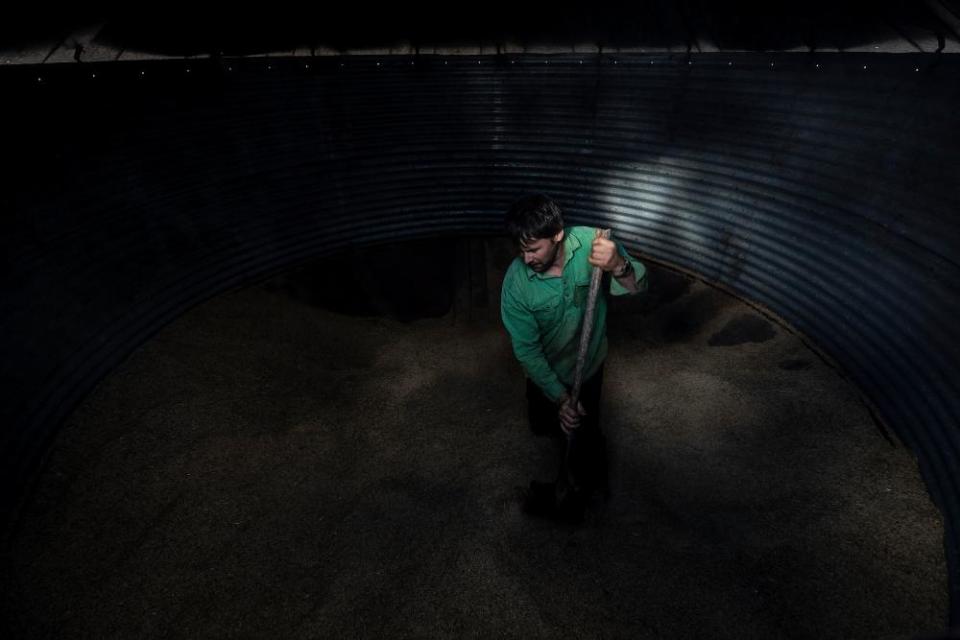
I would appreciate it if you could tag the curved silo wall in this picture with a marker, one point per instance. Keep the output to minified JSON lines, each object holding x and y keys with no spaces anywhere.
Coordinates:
{"x":823,"y":187}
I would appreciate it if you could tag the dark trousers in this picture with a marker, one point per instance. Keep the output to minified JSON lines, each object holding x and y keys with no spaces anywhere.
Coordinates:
{"x":582,"y":463}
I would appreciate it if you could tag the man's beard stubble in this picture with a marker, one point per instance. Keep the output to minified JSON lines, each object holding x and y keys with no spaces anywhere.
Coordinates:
{"x":553,"y":258}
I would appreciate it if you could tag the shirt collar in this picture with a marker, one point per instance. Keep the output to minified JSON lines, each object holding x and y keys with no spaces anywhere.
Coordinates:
{"x":570,"y":245}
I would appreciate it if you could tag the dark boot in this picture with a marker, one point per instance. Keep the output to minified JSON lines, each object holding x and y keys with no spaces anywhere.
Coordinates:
{"x":572,"y":506}
{"x":540,"y":499}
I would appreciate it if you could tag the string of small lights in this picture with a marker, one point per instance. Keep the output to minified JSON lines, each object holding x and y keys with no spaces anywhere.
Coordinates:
{"x":116,"y":70}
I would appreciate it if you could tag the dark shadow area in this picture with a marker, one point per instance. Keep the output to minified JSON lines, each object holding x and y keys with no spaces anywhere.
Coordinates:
{"x":795,"y":364}
{"x":404,"y":281}
{"x":741,"y":329}
{"x":689,"y":315}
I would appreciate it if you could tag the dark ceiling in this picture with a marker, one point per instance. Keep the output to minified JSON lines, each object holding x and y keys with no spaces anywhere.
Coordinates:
{"x":729,"y":24}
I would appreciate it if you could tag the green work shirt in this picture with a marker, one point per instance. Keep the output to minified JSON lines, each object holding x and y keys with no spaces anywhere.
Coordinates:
{"x":543,"y":313}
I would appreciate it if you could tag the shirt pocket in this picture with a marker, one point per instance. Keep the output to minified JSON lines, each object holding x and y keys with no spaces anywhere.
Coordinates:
{"x":581,"y":290}
{"x":545,"y":311}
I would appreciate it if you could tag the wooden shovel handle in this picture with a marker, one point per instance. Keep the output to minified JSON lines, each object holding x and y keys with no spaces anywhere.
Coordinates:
{"x":586,"y":329}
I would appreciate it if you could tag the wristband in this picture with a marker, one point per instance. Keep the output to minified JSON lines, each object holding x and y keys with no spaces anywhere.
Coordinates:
{"x":627,"y":266}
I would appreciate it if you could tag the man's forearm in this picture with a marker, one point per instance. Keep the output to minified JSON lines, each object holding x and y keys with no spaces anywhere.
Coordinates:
{"x":549,"y":384}
{"x":537,"y":368}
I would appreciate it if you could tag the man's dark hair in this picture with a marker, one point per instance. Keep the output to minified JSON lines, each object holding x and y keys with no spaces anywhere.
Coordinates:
{"x":533,"y":217}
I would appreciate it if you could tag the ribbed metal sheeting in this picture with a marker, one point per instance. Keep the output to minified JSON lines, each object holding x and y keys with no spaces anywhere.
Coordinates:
{"x":824,"y":187}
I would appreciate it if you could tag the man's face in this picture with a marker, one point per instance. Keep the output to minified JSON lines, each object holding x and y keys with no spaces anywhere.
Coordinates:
{"x":540,"y":254}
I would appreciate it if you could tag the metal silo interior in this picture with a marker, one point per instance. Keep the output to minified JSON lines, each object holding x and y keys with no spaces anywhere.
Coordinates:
{"x":256,"y":381}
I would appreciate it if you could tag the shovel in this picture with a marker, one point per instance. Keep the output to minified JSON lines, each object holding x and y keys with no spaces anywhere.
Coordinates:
{"x":586,"y":330}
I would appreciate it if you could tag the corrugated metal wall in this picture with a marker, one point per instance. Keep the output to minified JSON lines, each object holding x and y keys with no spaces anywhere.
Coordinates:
{"x":825,"y":188}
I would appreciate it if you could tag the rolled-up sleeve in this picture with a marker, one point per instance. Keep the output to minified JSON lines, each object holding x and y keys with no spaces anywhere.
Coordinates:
{"x":525,"y":336}
{"x":639,"y":274}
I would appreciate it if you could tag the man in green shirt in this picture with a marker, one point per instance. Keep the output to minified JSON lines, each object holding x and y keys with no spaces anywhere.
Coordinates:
{"x":543,"y":300}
